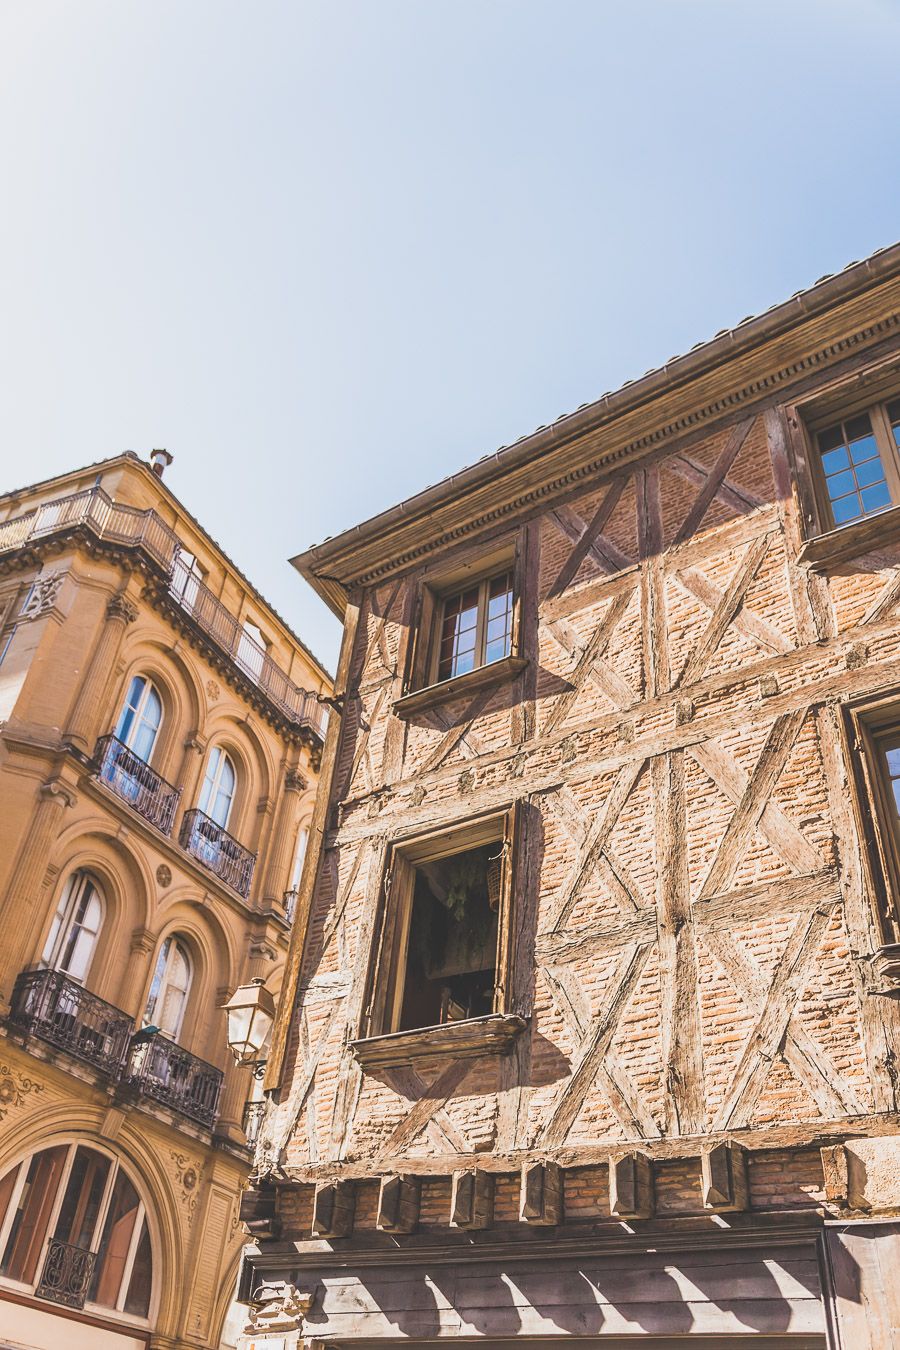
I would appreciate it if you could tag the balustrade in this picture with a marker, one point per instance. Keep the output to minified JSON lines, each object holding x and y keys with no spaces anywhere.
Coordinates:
{"x":54,"y":1007}
{"x":160,"y":1069}
{"x":216,"y":849}
{"x":130,"y":778}
{"x":67,"y":1274}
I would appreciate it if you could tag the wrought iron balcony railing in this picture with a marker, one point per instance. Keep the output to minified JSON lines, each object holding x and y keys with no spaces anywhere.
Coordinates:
{"x":67,"y":1274}
{"x":95,"y":511}
{"x":146,"y":791}
{"x":252,"y":1122}
{"x":160,"y":1069}
{"x":216,"y":849}
{"x":50,"y":1005}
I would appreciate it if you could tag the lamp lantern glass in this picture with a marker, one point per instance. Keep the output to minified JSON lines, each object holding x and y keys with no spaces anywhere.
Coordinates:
{"x":251,"y":1015}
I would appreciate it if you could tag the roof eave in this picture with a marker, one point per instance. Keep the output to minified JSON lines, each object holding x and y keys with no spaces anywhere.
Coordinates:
{"x":318,"y":564}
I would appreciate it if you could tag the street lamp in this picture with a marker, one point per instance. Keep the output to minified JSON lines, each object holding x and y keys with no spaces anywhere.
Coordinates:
{"x":251,"y":1015}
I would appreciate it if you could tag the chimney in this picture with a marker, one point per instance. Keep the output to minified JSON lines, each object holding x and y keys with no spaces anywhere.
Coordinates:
{"x":159,"y":461}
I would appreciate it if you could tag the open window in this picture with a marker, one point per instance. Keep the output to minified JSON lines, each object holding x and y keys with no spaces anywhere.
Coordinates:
{"x":874,"y":755}
{"x":467,"y":628}
{"x":441,"y":971}
{"x":73,"y":1231}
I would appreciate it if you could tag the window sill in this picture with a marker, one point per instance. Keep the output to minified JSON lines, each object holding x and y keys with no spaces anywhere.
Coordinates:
{"x":498,"y":672}
{"x":849,"y":541}
{"x":478,"y":1036}
{"x":886,"y":964}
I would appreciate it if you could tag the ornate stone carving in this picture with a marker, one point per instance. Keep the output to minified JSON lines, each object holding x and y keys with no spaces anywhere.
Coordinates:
{"x":212,"y":690}
{"x":56,"y":790}
{"x":42,"y":596}
{"x":164,"y":875}
{"x":279,"y":1306}
{"x":294,"y":781}
{"x":14,"y":1088}
{"x":121,"y":609}
{"x":188,"y":1174}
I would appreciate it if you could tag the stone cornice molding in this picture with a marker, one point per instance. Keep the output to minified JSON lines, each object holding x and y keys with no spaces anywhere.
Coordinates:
{"x":57,"y":791}
{"x":122,"y":610}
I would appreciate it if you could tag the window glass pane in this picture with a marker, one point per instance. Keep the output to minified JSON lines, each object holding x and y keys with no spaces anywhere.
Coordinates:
{"x":137,"y":1300}
{"x":126,"y":717}
{"x":114,"y":1243}
{"x":870,"y":472}
{"x":848,"y":508}
{"x":835,"y":460}
{"x":81,"y":1202}
{"x":218,"y":787}
{"x":459,"y":631}
{"x":854,"y":473}
{"x":140,"y":718}
{"x":29,"y":1228}
{"x":863,"y":450}
{"x":876,"y":498}
{"x":840,"y":484}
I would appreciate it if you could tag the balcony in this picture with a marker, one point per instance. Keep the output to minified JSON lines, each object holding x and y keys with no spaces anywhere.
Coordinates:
{"x":95,"y":512}
{"x":252,"y":1122}
{"x":67,"y":1274}
{"x":136,"y":783}
{"x":47,"y":1004}
{"x":217,"y":850}
{"x":160,"y":1069}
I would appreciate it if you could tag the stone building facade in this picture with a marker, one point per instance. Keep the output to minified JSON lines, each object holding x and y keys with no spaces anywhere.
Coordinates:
{"x":160,"y":738}
{"x":590,"y":1027}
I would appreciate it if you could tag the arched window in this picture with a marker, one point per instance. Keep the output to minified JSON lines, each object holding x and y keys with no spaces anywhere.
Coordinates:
{"x":73,"y":1228}
{"x":140,"y":718}
{"x":73,"y":934}
{"x":217,"y":793}
{"x":169,"y":988}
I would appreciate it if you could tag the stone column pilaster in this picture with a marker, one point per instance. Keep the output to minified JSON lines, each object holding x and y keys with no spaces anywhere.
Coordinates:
{"x":24,"y":906}
{"x":82,"y":729}
{"x":130,"y":994}
{"x":280,"y":853}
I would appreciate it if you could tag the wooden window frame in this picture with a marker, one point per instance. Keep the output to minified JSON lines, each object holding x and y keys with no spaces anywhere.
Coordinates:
{"x":828,"y":543}
{"x":867,"y":723}
{"x":421,"y":688}
{"x":378,"y":1041}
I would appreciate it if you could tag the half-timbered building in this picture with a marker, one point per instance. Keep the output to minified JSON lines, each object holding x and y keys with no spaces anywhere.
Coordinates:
{"x":590,"y":1028}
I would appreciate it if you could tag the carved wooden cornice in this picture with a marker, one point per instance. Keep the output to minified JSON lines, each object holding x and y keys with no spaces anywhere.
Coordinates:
{"x":695,"y":394}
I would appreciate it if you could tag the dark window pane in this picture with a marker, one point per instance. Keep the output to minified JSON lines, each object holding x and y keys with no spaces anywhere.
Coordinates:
{"x":29,"y":1227}
{"x":858,"y":426}
{"x":893,"y":412}
{"x":876,"y":498}
{"x":137,"y":1300}
{"x":830,"y":438}
{"x":114,"y":1243}
{"x":848,"y":508}
{"x":81,"y":1203}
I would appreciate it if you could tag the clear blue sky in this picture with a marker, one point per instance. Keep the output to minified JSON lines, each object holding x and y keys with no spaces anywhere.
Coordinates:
{"x":327,"y":253}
